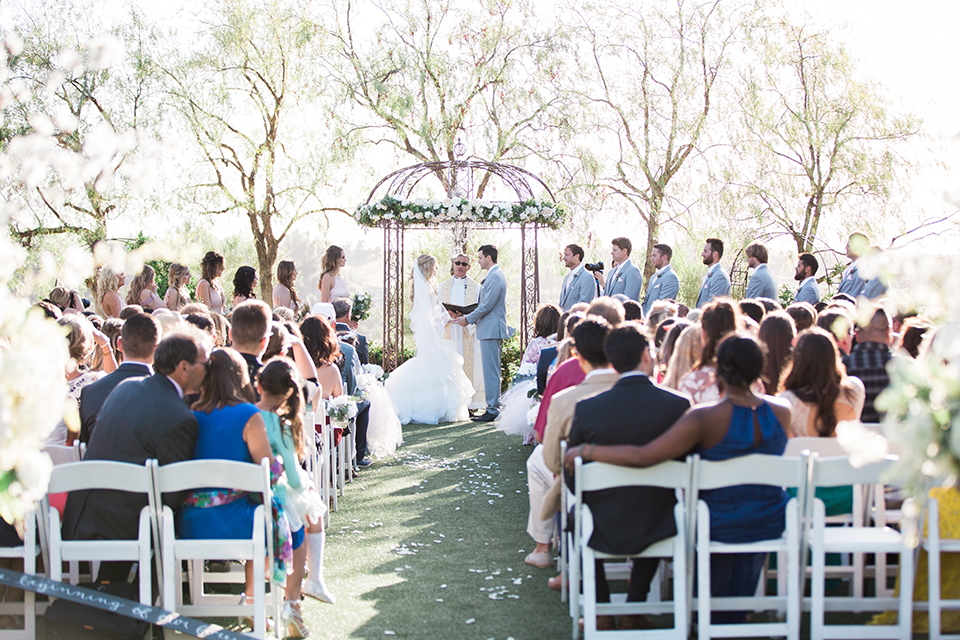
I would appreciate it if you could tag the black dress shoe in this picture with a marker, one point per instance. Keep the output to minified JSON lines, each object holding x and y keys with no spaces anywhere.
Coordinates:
{"x":364,"y":462}
{"x":486,"y":417}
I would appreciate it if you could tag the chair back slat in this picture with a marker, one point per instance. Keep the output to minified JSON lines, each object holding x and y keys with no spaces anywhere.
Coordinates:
{"x":756,"y":468}
{"x":838,"y":472}
{"x":100,"y":474}
{"x":826,"y":447}
{"x":200,"y":474}
{"x":600,"y":475}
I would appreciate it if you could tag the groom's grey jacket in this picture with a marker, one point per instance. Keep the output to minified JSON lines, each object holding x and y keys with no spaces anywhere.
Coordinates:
{"x":490,"y":316}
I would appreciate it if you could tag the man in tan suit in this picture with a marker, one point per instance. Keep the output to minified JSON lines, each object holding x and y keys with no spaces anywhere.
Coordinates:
{"x":544,"y":463}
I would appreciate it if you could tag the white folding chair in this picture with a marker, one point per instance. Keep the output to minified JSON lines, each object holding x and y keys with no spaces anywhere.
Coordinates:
{"x":202,"y":474}
{"x":935,"y":545}
{"x":598,"y":476}
{"x":755,"y":469}
{"x":102,"y":475}
{"x":835,"y":472}
{"x":59,"y":454}
{"x":28,"y":608}
{"x":315,"y":456}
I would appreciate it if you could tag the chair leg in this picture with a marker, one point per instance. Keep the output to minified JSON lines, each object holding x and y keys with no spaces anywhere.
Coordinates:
{"x":905,"y":615}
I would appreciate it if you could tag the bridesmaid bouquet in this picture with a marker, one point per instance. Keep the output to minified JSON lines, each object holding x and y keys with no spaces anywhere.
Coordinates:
{"x":362,"y":302}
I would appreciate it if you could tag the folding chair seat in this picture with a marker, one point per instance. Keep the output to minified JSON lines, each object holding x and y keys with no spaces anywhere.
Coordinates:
{"x":103,"y":474}
{"x":28,"y":608}
{"x":599,"y":476}
{"x":754,"y":469}
{"x":833,"y":472}
{"x":202,"y":474}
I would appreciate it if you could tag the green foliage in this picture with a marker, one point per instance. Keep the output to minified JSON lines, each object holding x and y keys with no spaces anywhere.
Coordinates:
{"x":786,"y":295}
{"x":510,"y":359}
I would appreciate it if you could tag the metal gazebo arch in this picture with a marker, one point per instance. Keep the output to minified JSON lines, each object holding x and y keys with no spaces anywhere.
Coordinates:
{"x":394,"y":212}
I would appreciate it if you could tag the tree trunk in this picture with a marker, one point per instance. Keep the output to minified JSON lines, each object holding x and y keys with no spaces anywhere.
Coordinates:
{"x":653,"y":230}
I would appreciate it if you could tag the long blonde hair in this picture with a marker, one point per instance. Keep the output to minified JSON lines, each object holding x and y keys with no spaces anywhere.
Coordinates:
{"x":140,"y":283}
{"x":107,"y":280}
{"x":427,"y":265}
{"x":686,"y":353}
{"x":177,"y":280}
{"x":331,"y":261}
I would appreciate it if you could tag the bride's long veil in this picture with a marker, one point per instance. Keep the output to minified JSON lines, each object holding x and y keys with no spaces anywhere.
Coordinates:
{"x":425,"y":320}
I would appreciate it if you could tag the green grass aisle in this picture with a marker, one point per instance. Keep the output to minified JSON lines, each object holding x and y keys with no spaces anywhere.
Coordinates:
{"x":430,"y":544}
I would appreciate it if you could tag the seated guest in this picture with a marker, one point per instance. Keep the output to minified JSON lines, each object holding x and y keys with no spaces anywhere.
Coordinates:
{"x":634,"y":411}
{"x":203,"y":322}
{"x":819,"y":389}
{"x":632,"y":310}
{"x":742,"y":423}
{"x":566,"y":374}
{"x":111,"y":328}
{"x":838,"y":324}
{"x":250,"y":332}
{"x":687,"y":351}
{"x":752,"y":309}
{"x":515,"y":403}
{"x":342,"y":308}
{"x":230,"y":427}
{"x":667,"y":347}
{"x":608,"y":308}
{"x":911,"y":335}
{"x":803,"y":314}
{"x":660,"y":311}
{"x":82,"y":339}
{"x":139,"y":338}
{"x":543,"y":466}
{"x":777,"y":333}
{"x":719,"y":317}
{"x":140,"y":420}
{"x":130,"y":310}
{"x":868,"y":359}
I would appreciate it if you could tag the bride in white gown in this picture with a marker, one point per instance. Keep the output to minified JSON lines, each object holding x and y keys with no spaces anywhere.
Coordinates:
{"x":430,"y":387}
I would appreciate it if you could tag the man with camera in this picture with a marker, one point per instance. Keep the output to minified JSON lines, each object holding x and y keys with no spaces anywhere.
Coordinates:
{"x":625,"y":276}
{"x":578,"y":286}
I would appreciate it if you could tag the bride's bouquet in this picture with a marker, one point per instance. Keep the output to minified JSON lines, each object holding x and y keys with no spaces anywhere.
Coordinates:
{"x":342,"y":408}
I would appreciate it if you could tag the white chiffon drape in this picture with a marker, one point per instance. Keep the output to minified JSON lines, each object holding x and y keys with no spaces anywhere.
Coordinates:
{"x":431,"y":387}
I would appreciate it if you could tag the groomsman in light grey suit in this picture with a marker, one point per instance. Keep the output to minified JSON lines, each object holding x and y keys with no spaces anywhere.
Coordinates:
{"x":851,"y":283}
{"x":578,"y":285}
{"x":716,"y":283}
{"x":806,"y":269}
{"x":490,"y":316}
{"x":761,"y":282}
{"x":625,"y":276}
{"x":664,"y":283}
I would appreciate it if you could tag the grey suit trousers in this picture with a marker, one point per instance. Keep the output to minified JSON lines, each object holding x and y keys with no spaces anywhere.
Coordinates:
{"x":490,"y":357}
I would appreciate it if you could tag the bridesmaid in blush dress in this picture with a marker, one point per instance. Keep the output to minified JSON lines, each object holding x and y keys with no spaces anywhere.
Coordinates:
{"x":332,"y":285}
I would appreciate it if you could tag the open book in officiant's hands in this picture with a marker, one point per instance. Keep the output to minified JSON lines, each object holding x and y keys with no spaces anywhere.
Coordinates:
{"x":452,"y":308}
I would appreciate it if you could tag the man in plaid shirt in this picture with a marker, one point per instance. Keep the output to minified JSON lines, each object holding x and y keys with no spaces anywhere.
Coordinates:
{"x":868,"y":360}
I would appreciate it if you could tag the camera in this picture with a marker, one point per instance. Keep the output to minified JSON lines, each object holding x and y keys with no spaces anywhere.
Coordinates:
{"x":593,"y":266}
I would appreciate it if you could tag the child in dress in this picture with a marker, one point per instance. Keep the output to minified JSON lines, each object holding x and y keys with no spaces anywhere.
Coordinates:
{"x":281,"y":404}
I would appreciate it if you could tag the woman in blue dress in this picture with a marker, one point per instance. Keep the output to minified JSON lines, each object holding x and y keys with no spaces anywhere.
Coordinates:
{"x":231,"y":428}
{"x":741,"y":423}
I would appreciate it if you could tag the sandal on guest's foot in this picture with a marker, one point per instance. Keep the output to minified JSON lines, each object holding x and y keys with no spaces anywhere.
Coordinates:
{"x":292,"y":620}
{"x":541,"y":559}
{"x":247,"y":621}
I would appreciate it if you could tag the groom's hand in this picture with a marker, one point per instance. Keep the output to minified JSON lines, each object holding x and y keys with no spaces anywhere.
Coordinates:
{"x":460,"y":320}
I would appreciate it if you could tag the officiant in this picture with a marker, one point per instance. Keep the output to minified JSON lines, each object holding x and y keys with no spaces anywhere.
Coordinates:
{"x":461,"y":290}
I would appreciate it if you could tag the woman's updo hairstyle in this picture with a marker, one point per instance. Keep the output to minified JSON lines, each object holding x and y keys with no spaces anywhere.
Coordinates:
{"x":427,"y":264}
{"x":740,"y":360}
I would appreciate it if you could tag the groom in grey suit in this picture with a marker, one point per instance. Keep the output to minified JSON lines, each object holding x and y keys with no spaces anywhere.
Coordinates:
{"x":490,"y":316}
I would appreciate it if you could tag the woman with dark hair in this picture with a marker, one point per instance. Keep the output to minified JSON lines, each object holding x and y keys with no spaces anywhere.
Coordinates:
{"x":545,"y":327}
{"x":744,"y":422}
{"x":332,"y":285}
{"x":209,"y":289}
{"x":719,"y":318}
{"x":911,"y":335}
{"x":230,"y":428}
{"x":777,"y":332}
{"x":244,"y":284}
{"x":818,"y":387}
{"x":320,"y":339}
{"x":285,"y":293}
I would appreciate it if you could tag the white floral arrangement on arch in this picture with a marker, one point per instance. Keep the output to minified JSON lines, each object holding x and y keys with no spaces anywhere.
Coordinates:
{"x":428,"y":211}
{"x":342,"y":408}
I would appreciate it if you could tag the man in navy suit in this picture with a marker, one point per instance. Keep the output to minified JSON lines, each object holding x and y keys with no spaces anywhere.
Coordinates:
{"x":578,"y":285}
{"x":138,"y":340}
{"x":635,"y":411}
{"x":624,"y":276}
{"x":716,"y":282}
